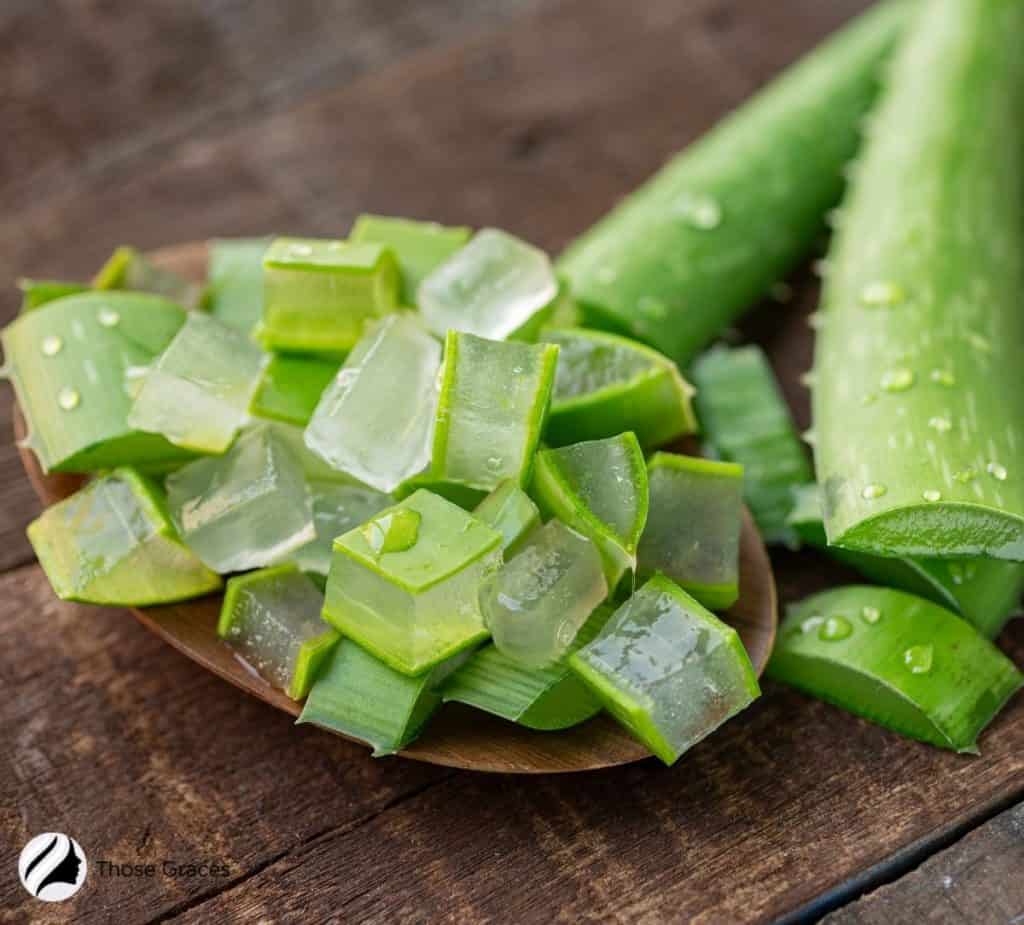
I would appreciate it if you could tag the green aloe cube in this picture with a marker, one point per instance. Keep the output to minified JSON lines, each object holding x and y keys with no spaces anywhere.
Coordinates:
{"x":37,"y":292}
{"x":404,"y":585}
{"x":337,"y":508}
{"x":491,"y":411}
{"x":291,"y":386}
{"x":319,"y":294}
{"x":510,"y":511}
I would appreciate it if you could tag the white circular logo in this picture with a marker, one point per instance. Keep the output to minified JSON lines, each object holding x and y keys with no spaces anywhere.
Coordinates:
{"x":52,"y":867}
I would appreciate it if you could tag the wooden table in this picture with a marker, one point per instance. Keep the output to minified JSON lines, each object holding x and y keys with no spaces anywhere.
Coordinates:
{"x":171,"y":120}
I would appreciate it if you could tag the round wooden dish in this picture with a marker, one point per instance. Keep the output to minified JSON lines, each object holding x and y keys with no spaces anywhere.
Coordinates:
{"x":457,"y":736}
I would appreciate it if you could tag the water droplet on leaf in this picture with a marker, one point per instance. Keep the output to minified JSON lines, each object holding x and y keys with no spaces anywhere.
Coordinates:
{"x":881,"y":294}
{"x":109,"y":317}
{"x":873,"y":491}
{"x":68,"y":398}
{"x":897,"y":380}
{"x":997,"y":471}
{"x":870,"y":614}
{"x":919,"y":658}
{"x":51,"y":345}
{"x":834,"y":629}
{"x":931,"y":494}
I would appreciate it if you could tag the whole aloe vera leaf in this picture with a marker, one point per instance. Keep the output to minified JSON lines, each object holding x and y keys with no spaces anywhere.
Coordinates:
{"x":235,"y":281}
{"x":714,"y":229}
{"x":918,"y":405}
{"x":898,"y":660}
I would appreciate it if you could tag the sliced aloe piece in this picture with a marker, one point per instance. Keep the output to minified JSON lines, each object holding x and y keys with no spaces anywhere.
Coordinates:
{"x":539,"y":698}
{"x":510,"y":511}
{"x":897,"y":660}
{"x":985,"y":592}
{"x":314,"y":468}
{"x":667,"y":669}
{"x":127,"y":269}
{"x":744,"y":419}
{"x":112,"y":542}
{"x":197,"y":392}
{"x":693,"y":529}
{"x":599,"y":488}
{"x":319,"y":294}
{"x":271,"y":618}
{"x":37,"y":292}
{"x":67,"y":361}
{"x":413,"y":605}
{"x":465,"y":497}
{"x":607,"y":385}
{"x":491,"y":411}
{"x":421,"y":247}
{"x":235,"y":281}
{"x":291,"y":386}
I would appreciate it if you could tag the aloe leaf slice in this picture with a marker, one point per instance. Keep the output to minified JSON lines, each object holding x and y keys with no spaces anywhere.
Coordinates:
{"x":607,"y":385}
{"x":37,"y":292}
{"x":112,"y":543}
{"x":897,"y":660}
{"x":509,"y":510}
{"x":235,"y":281}
{"x":291,"y":386}
{"x":127,"y":269}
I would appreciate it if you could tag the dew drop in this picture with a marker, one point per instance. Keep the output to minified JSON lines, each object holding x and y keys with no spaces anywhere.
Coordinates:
{"x":700,"y":211}
{"x":896,"y":380}
{"x":494,"y":463}
{"x":873,"y":491}
{"x":109,"y":317}
{"x":881,"y":294}
{"x":961,"y":571}
{"x":941,"y":424}
{"x":942,"y":377}
{"x":811,"y":623}
{"x":68,"y":398}
{"x":51,"y":345}
{"x":834,"y":629}
{"x":919,"y":658}
{"x":997,"y":471}
{"x":931,"y":494}
{"x":870,"y":615}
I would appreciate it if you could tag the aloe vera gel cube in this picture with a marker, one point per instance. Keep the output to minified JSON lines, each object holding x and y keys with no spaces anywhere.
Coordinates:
{"x":667,"y":669}
{"x":197,"y":393}
{"x":535,"y":604}
{"x":245,"y":509}
{"x":318,"y":294}
{"x":404,"y":585}
{"x":337,"y":508}
{"x":491,"y":412}
{"x":510,"y":511}
{"x":693,"y":528}
{"x":112,"y":542}
{"x":497,"y":286}
{"x":271,"y":618}
{"x":374,"y":420}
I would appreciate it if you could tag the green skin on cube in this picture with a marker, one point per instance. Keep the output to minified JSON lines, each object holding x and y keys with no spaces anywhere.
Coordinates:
{"x":112,"y":542}
{"x":510,"y":511}
{"x":37,"y":292}
{"x":235,"y":281}
{"x":319,"y":294}
{"x":291,"y":386}
{"x":897,"y":660}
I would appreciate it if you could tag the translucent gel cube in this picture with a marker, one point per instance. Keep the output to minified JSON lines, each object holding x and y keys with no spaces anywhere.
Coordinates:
{"x":666,"y":668}
{"x":245,"y":509}
{"x":536,"y":603}
{"x":374,"y":420}
{"x":271,"y":618}
{"x":197,"y":393}
{"x":494,"y":287}
{"x":414,"y":607}
{"x":510,"y":511}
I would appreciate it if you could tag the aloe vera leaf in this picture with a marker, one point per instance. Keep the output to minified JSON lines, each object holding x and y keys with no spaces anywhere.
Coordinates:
{"x":667,"y":669}
{"x":607,"y":385}
{"x":744,"y":419}
{"x":420,"y":247}
{"x":235,"y":281}
{"x":291,"y":387}
{"x":127,"y":269}
{"x":897,"y":660}
{"x":112,"y":543}
{"x":546,"y":699}
{"x":599,"y":488}
{"x":67,"y":361}
{"x":197,"y":392}
{"x":463,"y":495}
{"x":271,"y":619}
{"x":492,"y":409}
{"x":693,"y":528}
{"x":985,"y":592}
{"x":723,"y":221}
{"x":37,"y":292}
{"x":509,"y":510}
{"x":918,"y":409}
{"x":413,"y":607}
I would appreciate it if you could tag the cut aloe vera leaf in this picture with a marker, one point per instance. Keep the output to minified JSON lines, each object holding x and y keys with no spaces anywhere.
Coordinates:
{"x":112,"y":543}
{"x":37,"y":292}
{"x":667,"y":669}
{"x":67,"y":361}
{"x":985,"y":592}
{"x":271,"y":618}
{"x":722,"y":222}
{"x":897,"y":660}
{"x":337,"y":508}
{"x":509,"y":510}
{"x":235,"y":281}
{"x":547,"y":699}
{"x":318,"y":295}
{"x":416,"y":606}
{"x":362,"y":697}
{"x":497,"y":287}
{"x":291,"y":387}
{"x":374,"y":420}
{"x":535,"y":604}
{"x":599,"y":488}
{"x":693,"y":529}
{"x":463,"y":495}
{"x":491,"y":411}
{"x":607,"y":385}
{"x":245,"y":509}
{"x":420,"y":247}
{"x":744,"y":419}
{"x":197,"y":392}
{"x":918,"y":405}
{"x":127,"y":269}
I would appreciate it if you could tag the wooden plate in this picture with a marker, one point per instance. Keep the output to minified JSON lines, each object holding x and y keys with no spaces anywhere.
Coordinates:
{"x":457,"y":736}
